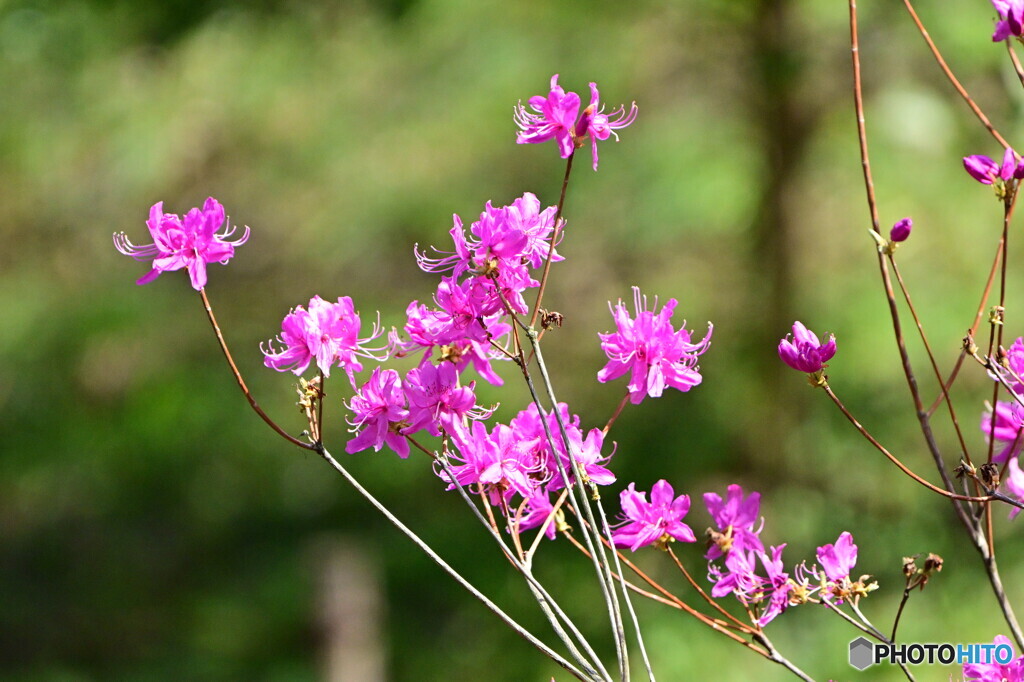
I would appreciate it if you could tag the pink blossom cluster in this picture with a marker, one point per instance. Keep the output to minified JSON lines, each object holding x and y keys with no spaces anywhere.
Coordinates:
{"x":519,"y":466}
{"x":1002,"y":177}
{"x":739,"y":565}
{"x":737,"y":561}
{"x":483,"y":278}
{"x":386,"y":408}
{"x":557,"y":117}
{"x":488,"y":272}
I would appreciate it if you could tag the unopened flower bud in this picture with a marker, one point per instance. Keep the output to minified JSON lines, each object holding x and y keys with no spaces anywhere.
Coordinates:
{"x":901,"y":230}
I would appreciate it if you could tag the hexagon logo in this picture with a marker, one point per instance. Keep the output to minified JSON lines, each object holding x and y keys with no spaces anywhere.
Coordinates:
{"x":861,"y":653}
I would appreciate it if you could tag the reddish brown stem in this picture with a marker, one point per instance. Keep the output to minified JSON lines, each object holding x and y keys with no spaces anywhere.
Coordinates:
{"x":908,"y":371}
{"x":704,"y":595}
{"x":892,"y":458}
{"x":241,"y":382}
{"x":974,"y":327}
{"x":931,"y":359}
{"x":676,"y":602}
{"x":1018,"y":69}
{"x":554,"y":240}
{"x":618,"y":411}
{"x":952,"y":79}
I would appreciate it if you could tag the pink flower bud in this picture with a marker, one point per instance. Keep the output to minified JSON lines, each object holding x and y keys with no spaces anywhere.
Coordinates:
{"x":805,"y":352}
{"x":901,"y":230}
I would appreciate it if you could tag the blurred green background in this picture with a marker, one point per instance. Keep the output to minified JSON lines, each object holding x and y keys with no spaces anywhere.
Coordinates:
{"x":152,"y":528}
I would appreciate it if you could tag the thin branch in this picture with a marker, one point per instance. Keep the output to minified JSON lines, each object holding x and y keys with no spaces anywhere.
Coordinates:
{"x":908,"y":371}
{"x":1018,"y":69}
{"x":892,"y":458}
{"x":241,"y":382}
{"x":425,"y":548}
{"x":554,"y":240}
{"x":931,"y":358}
{"x":615,"y":415}
{"x":974,"y":327}
{"x":704,"y":595}
{"x":952,"y":79}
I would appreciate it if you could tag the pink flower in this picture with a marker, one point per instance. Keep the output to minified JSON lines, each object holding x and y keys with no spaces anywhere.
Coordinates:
{"x":901,"y":230}
{"x":656,"y":522}
{"x":379,"y":414}
{"x":1008,"y":423}
{"x":838,"y":559}
{"x":1011,"y":13}
{"x":326,"y":332}
{"x":777,"y":587}
{"x":1010,"y":670}
{"x":188,"y":243}
{"x":598,"y":125}
{"x":503,"y":238}
{"x":428,"y":329}
{"x":656,"y":355}
{"x":588,"y":456}
{"x":988,"y":172}
{"x":529,"y":431}
{"x":805,"y":352}
{"x":495,"y":462}
{"x":735,"y":518}
{"x":553,"y":118}
{"x":436,"y":401}
{"x":739,"y":577}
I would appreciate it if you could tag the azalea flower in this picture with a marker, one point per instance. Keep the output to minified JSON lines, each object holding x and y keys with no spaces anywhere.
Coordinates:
{"x":538,"y":509}
{"x":597,"y":125}
{"x":777,"y":587}
{"x":190,"y":242}
{"x":379,"y":414}
{"x":838,"y":560}
{"x":495,"y":462}
{"x":735,"y":518}
{"x":555,"y":118}
{"x":656,"y":522}
{"x":1011,"y":19}
{"x":988,"y":172}
{"x":325,"y":332}
{"x":805,"y":352}
{"x":655,"y":354}
{"x":436,"y":401}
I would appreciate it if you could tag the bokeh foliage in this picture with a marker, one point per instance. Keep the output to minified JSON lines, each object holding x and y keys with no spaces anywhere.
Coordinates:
{"x":152,"y":528}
